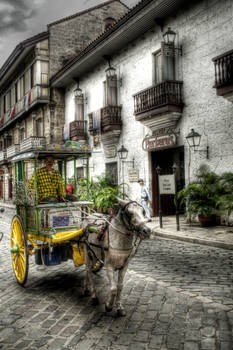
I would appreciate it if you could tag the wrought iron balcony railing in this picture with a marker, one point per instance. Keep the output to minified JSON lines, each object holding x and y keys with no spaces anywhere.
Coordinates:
{"x":167,"y":93}
{"x":110,"y":119}
{"x":78,"y":130}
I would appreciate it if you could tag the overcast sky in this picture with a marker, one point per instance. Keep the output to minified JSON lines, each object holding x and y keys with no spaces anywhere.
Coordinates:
{"x":21,"y":19}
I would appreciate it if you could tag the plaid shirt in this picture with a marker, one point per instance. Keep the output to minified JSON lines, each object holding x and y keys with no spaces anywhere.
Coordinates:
{"x":48,"y":184}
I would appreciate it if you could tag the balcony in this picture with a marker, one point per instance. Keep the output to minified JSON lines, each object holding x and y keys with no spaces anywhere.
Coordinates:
{"x":33,"y":143}
{"x":38,"y":94}
{"x":159,"y":106}
{"x":223,"y":66}
{"x":2,"y":156}
{"x":110,"y":119}
{"x":12,"y":151}
{"x":78,"y":130}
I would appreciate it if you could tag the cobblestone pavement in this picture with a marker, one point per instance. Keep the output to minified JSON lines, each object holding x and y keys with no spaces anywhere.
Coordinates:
{"x":177,"y":296}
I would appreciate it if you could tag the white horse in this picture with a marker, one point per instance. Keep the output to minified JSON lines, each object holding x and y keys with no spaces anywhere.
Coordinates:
{"x":122,"y":238}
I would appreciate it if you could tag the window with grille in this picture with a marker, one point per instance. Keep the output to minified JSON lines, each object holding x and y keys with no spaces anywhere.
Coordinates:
{"x":111,"y":169}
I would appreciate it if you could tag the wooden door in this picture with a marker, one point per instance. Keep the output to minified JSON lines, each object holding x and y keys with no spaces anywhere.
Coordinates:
{"x":165,"y":159}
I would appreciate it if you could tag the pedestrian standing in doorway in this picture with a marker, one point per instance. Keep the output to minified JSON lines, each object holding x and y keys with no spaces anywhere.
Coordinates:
{"x":145,"y":198}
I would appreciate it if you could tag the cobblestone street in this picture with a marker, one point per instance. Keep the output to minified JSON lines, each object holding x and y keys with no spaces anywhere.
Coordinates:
{"x":177,"y":296}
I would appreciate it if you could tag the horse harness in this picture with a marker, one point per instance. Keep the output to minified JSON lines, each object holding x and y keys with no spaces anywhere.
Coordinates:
{"x":105,"y":229}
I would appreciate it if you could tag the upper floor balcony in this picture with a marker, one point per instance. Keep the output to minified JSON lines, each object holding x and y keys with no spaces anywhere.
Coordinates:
{"x":12,"y":151}
{"x":37,"y":95}
{"x":107,"y":119}
{"x":78,"y":130}
{"x":2,"y":156}
{"x":33,"y":143}
{"x":223,"y":66}
{"x":159,"y":106}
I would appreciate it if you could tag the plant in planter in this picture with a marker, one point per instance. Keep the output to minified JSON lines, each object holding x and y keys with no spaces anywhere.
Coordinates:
{"x":226,"y":199}
{"x":100,"y":192}
{"x":201,"y":198}
{"x":106,"y":198}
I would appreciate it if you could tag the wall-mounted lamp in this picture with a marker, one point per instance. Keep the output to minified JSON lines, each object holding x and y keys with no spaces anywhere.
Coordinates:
{"x":194,"y":140}
{"x":169,"y":36}
{"x":110,"y":71}
{"x":168,"y":46}
{"x":78,"y":91}
{"x":123,"y":154}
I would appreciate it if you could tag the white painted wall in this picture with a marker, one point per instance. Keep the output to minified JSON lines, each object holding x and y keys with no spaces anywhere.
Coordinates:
{"x":205,"y":31}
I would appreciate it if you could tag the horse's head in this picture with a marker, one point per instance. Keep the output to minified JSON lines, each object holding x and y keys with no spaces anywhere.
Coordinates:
{"x":133,"y":216}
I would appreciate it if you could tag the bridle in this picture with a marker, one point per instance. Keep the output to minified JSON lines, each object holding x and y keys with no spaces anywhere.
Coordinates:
{"x":126,"y":217}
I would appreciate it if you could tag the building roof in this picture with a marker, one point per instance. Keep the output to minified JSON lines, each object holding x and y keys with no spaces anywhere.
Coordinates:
{"x":85,"y":11}
{"x":137,"y":21}
{"x":22,"y":47}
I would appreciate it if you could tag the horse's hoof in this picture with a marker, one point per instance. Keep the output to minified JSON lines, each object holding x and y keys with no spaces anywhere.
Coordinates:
{"x":121,"y":313}
{"x":108,"y":309}
{"x":95,"y":301}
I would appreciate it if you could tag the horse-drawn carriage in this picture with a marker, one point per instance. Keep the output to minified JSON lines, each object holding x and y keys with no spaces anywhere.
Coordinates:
{"x":50,"y":231}
{"x":57,"y":231}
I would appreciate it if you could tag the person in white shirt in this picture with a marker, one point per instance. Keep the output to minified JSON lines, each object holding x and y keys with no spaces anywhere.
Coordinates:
{"x":145,"y":198}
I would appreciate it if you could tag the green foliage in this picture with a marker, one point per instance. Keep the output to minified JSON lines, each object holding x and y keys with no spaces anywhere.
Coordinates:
{"x":226,"y":200}
{"x":22,"y":195}
{"x":100,"y":192}
{"x":202,"y":196}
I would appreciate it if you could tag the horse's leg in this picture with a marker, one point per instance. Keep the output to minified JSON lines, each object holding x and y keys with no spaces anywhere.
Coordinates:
{"x":89,"y":281}
{"x":121,"y":276}
{"x":113,"y":289}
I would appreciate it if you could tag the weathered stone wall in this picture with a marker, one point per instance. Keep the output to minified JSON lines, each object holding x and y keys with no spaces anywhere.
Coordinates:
{"x":204,"y":30}
{"x":70,"y":36}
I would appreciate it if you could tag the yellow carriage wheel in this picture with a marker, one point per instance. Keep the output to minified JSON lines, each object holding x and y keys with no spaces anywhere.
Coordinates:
{"x":19,"y":250}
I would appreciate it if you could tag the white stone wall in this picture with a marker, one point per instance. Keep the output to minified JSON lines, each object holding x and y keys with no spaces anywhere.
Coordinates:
{"x":205,"y":31}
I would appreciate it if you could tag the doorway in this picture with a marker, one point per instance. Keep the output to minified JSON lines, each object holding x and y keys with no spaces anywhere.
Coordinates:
{"x":165,"y":160}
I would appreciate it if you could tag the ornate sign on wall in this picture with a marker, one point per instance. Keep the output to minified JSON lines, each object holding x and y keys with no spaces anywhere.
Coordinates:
{"x":155,"y":142}
{"x":133,"y":175}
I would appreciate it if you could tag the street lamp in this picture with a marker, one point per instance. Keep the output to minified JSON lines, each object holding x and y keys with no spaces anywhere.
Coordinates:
{"x":123,"y":154}
{"x":110,"y":71}
{"x":194,"y":140}
{"x":169,"y":36}
{"x":168,"y":45}
{"x":78,"y":91}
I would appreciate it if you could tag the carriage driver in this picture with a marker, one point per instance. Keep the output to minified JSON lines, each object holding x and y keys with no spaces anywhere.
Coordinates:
{"x":49,"y":182}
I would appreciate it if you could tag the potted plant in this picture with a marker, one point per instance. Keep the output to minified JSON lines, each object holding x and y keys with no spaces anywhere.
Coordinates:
{"x":100,"y":192}
{"x":201,"y":198}
{"x":226,"y":199}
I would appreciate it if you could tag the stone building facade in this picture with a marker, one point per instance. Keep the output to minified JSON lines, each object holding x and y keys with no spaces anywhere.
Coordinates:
{"x":162,"y":91}
{"x":32,"y":114}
